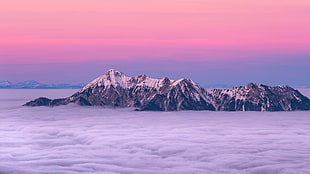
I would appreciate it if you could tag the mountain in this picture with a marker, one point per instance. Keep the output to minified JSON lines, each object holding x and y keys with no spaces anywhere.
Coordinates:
{"x":116,"y":89}
{"x":258,"y":97}
{"x":31,"y":84}
{"x":5,"y":84}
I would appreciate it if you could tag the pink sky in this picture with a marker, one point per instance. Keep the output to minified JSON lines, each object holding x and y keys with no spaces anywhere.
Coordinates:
{"x":54,"y":31}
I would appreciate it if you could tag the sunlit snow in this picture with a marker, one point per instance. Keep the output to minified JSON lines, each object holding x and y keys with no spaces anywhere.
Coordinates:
{"x":116,"y":78}
{"x":75,"y":139}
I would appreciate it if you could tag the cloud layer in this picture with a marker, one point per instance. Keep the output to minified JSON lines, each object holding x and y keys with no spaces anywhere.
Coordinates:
{"x":72,"y":139}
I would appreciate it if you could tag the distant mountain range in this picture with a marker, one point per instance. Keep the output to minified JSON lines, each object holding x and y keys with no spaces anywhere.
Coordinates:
{"x":116,"y":89}
{"x":31,"y":84}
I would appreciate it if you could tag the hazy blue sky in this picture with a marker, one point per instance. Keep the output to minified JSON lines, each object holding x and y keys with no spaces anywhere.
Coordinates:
{"x":272,"y":71}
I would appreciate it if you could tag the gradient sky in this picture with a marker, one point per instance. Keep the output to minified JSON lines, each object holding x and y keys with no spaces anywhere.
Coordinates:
{"x":211,"y":41}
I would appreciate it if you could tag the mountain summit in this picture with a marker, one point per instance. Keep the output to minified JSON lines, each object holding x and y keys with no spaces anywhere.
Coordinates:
{"x":116,"y":89}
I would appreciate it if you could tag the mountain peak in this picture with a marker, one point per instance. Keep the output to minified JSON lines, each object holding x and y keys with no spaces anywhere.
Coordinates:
{"x":252,"y":86}
{"x":111,"y":77}
{"x":184,"y":81}
{"x":113,"y":72}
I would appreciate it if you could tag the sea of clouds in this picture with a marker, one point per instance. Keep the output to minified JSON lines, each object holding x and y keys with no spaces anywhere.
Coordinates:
{"x":73,"y":139}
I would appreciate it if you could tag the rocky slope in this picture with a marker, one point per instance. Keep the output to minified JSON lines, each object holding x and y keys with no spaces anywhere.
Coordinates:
{"x":258,"y":97}
{"x":116,"y":89}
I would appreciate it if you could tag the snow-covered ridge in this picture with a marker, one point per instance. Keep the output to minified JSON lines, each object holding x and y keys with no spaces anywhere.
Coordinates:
{"x":118,"y":79}
{"x":259,"y":97}
{"x":31,"y":84}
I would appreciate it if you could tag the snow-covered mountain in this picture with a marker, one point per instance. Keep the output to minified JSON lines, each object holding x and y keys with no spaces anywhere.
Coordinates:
{"x":258,"y":97}
{"x":31,"y":84}
{"x":116,"y":89}
{"x":5,"y":84}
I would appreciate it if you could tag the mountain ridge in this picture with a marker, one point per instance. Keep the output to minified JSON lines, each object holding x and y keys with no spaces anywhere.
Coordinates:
{"x":32,"y":84}
{"x":116,"y":89}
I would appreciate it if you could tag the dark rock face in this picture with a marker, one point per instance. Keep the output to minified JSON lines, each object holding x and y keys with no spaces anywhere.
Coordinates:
{"x":118,"y":90}
{"x":42,"y":101}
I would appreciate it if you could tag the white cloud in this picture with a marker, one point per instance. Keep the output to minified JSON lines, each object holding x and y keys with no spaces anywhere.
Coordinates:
{"x":72,"y":139}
